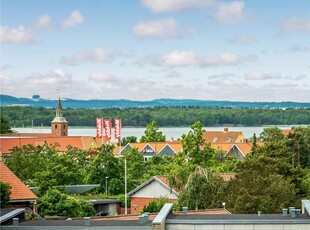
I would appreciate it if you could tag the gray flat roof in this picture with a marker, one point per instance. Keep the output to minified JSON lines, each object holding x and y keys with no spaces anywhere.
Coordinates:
{"x":235,"y":219}
{"x":93,"y":222}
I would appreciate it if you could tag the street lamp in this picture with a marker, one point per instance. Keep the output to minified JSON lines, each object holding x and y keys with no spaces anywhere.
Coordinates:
{"x":106,"y":185}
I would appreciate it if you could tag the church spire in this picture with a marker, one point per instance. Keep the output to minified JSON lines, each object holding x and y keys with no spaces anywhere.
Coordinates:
{"x":59,"y":109}
{"x":59,"y":125}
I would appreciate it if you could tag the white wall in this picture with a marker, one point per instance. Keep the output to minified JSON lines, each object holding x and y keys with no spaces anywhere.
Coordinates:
{"x":155,"y":190}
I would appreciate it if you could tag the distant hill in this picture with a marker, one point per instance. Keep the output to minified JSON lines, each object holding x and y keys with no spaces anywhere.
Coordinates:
{"x":7,"y":100}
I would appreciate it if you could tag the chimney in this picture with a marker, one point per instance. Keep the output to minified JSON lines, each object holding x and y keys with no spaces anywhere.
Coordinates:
{"x":292,"y":212}
{"x":15,"y":221}
{"x":185,"y":210}
{"x":86,"y":221}
{"x":225,"y":129}
{"x":284,"y":212}
{"x":245,"y":141}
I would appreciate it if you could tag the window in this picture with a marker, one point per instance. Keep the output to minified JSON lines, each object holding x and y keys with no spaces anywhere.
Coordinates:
{"x":228,"y":139}
{"x":214,"y":139}
{"x":55,"y":126}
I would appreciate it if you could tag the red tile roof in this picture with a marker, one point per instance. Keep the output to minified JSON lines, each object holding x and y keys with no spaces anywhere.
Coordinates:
{"x":84,"y":143}
{"x":223,"y":136}
{"x":28,"y":135}
{"x":18,"y":188}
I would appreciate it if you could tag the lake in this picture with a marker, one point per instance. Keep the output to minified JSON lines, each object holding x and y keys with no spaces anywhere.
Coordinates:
{"x":172,"y":132}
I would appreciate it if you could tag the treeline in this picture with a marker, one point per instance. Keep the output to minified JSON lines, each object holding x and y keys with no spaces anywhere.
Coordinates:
{"x":164,"y":116}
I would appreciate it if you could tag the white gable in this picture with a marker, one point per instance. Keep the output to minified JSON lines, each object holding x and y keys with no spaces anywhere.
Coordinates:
{"x":155,"y":190}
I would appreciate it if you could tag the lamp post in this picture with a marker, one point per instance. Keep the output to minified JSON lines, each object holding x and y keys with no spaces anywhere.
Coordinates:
{"x":125,"y":186}
{"x":106,"y":185}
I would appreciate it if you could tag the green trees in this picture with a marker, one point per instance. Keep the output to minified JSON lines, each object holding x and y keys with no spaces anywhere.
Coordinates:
{"x":271,"y":134}
{"x":260,"y":185}
{"x":5,"y":126}
{"x":43,"y":166}
{"x":55,"y":203}
{"x":152,"y":133}
{"x":103,"y":164}
{"x":203,"y":190}
{"x":195,"y":149}
{"x":165,"y":116}
{"x":126,"y":140}
{"x":5,"y":192}
{"x":156,"y":205}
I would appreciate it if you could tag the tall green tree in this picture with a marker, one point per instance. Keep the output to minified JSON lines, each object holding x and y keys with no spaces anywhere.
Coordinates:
{"x":260,"y":185}
{"x":135,"y":168}
{"x":195,"y":149}
{"x":271,"y":134}
{"x":203,"y":190}
{"x":298,"y":142}
{"x":152,"y":133}
{"x":5,"y":192}
{"x":5,"y":126}
{"x":103,"y":164}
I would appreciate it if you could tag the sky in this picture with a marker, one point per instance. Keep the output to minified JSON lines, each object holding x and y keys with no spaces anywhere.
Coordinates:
{"x":149,"y":49}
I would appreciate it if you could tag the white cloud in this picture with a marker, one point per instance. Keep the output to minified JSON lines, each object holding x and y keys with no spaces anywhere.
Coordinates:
{"x":56,"y":78}
{"x":225,"y":76}
{"x":292,"y":25}
{"x":230,"y":12}
{"x":281,"y":85}
{"x":228,"y":83}
{"x":258,"y":75}
{"x":166,"y":28}
{"x":75,"y":18}
{"x":188,"y":58}
{"x":179,"y":58}
{"x":227,"y":59}
{"x":19,"y":35}
{"x":43,"y":22}
{"x":242,"y":39}
{"x":159,"y":6}
{"x":101,"y":77}
{"x":98,"y":55}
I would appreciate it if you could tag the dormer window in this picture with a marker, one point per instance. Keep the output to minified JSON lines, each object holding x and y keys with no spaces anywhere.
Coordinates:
{"x":214,"y":139}
{"x":228,"y":139}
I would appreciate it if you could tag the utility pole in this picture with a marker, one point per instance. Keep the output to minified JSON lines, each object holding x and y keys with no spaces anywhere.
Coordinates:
{"x":125,"y":186}
{"x":106,"y":185}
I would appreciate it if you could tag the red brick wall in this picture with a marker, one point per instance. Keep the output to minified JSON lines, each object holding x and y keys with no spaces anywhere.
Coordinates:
{"x":141,"y":202}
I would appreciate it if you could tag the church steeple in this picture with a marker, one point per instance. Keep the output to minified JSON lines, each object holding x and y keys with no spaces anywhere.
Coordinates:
{"x":59,"y":109}
{"x":59,"y":125}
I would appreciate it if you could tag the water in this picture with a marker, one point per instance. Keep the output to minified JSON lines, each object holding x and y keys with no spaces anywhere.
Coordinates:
{"x":173,"y":132}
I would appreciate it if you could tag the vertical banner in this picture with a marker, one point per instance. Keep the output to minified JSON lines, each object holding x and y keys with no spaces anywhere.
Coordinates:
{"x":107,"y":129}
{"x":99,"y":127}
{"x":117,"y":128}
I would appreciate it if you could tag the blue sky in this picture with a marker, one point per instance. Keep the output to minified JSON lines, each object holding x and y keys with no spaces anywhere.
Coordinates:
{"x":148,"y":49}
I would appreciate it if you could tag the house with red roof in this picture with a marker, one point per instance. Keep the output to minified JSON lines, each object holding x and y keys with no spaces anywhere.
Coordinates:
{"x":152,"y":189}
{"x":21,"y":196}
{"x":221,"y":137}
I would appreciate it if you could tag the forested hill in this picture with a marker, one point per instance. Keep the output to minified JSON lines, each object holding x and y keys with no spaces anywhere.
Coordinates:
{"x":36,"y":101}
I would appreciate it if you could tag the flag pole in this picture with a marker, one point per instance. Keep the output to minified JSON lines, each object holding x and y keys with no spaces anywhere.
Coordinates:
{"x":102,"y":131}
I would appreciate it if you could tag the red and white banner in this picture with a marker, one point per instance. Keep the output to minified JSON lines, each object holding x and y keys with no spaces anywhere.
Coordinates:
{"x":99,"y":127}
{"x":108,"y":129}
{"x":117,"y":128}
